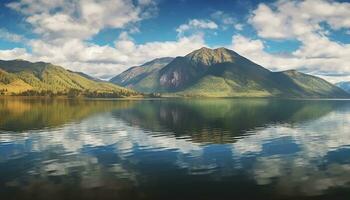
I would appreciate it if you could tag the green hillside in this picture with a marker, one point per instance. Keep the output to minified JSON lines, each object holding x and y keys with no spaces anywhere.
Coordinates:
{"x":224,"y":73}
{"x":23,"y":77}
{"x":142,"y":78}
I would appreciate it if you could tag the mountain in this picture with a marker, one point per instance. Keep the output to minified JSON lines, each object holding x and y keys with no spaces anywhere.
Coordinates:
{"x":142,"y":78}
{"x":345,"y":85}
{"x":87,"y":76}
{"x":224,"y":73}
{"x":20,"y":76}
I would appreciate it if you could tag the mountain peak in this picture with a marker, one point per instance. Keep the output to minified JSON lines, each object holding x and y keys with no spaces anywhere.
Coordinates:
{"x":207,"y":56}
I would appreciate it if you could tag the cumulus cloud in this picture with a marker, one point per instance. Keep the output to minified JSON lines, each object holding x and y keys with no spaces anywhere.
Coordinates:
{"x":292,"y":19}
{"x":225,"y":20}
{"x":103,"y":61}
{"x":254,"y":49}
{"x":15,"y":53}
{"x":6,"y":35}
{"x":223,"y":17}
{"x":196,"y":24}
{"x":301,"y":21}
{"x":80,"y":19}
{"x":239,"y":26}
{"x":317,"y":55}
{"x":64,"y":28}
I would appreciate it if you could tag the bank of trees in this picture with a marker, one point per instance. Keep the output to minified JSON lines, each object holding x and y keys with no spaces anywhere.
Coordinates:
{"x":3,"y":91}
{"x":75,"y":93}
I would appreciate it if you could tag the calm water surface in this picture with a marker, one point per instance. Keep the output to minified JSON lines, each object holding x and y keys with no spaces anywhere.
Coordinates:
{"x":174,"y":149}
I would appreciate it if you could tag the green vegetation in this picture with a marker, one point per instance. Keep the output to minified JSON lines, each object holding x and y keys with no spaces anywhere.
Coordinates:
{"x":202,"y":73}
{"x":142,"y":78}
{"x":24,"y":78}
{"x":223,"y":73}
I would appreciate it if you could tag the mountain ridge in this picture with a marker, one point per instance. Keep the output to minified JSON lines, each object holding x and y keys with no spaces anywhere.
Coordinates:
{"x":140,"y":77}
{"x":20,"y":77}
{"x":222,"y":72}
{"x":345,"y":85}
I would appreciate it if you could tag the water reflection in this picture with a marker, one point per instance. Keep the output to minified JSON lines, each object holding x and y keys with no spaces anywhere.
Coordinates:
{"x":220,"y":121}
{"x":174,"y":149}
{"x":21,"y":114}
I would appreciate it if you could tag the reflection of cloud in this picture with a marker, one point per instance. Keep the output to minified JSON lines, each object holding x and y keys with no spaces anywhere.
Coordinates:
{"x":98,"y":131}
{"x":316,"y":140}
{"x":266,"y":169}
{"x":295,"y":171}
{"x":89,"y":133}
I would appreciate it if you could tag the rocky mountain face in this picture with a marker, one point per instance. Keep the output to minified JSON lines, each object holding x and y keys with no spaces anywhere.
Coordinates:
{"x":222,"y":73}
{"x":186,"y":71}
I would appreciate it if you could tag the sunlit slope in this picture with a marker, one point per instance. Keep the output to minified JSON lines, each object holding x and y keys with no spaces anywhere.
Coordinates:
{"x":224,"y":73}
{"x":18,"y":76}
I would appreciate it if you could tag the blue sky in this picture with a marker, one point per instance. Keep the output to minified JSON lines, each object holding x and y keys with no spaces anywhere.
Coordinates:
{"x":105,"y":37}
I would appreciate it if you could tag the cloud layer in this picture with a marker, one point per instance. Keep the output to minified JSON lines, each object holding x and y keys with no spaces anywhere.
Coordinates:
{"x":65,"y":29}
{"x":302,"y":21}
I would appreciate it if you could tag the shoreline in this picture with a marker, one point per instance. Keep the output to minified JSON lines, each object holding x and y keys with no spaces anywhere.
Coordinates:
{"x":174,"y":98}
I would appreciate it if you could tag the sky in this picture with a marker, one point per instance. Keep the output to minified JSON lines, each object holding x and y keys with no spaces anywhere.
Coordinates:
{"x":105,"y":37}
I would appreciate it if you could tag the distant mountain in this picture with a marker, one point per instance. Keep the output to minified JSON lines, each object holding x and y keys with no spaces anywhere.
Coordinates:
{"x":224,"y":73}
{"x":345,"y":85}
{"x":18,"y":76}
{"x":142,"y":78}
{"x":87,"y":76}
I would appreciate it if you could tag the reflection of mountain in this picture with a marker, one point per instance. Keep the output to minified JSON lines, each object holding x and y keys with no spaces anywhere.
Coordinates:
{"x":300,"y":152}
{"x":220,"y":121}
{"x":20,"y":114}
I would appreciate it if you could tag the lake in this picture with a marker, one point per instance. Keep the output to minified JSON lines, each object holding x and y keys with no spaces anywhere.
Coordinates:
{"x":174,"y":149}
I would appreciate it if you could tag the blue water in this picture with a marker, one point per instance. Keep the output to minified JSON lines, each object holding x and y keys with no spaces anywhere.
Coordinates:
{"x":174,"y":149}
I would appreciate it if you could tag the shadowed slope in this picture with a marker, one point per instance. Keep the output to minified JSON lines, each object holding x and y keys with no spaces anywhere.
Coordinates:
{"x":224,"y":73}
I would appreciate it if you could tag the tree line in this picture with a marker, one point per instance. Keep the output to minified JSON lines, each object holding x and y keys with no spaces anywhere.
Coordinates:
{"x":75,"y":93}
{"x":3,"y":91}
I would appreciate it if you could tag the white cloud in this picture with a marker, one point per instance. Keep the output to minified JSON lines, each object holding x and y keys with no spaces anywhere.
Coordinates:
{"x":293,"y":19}
{"x":331,"y":59}
{"x":223,"y":17}
{"x":246,"y":46}
{"x":196,"y":24}
{"x":301,"y":21}
{"x":15,"y":53}
{"x":103,"y":61}
{"x":65,"y":26}
{"x":254,"y":49}
{"x":238,"y":27}
{"x":83,"y":18}
{"x":225,"y":20}
{"x":6,"y":35}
